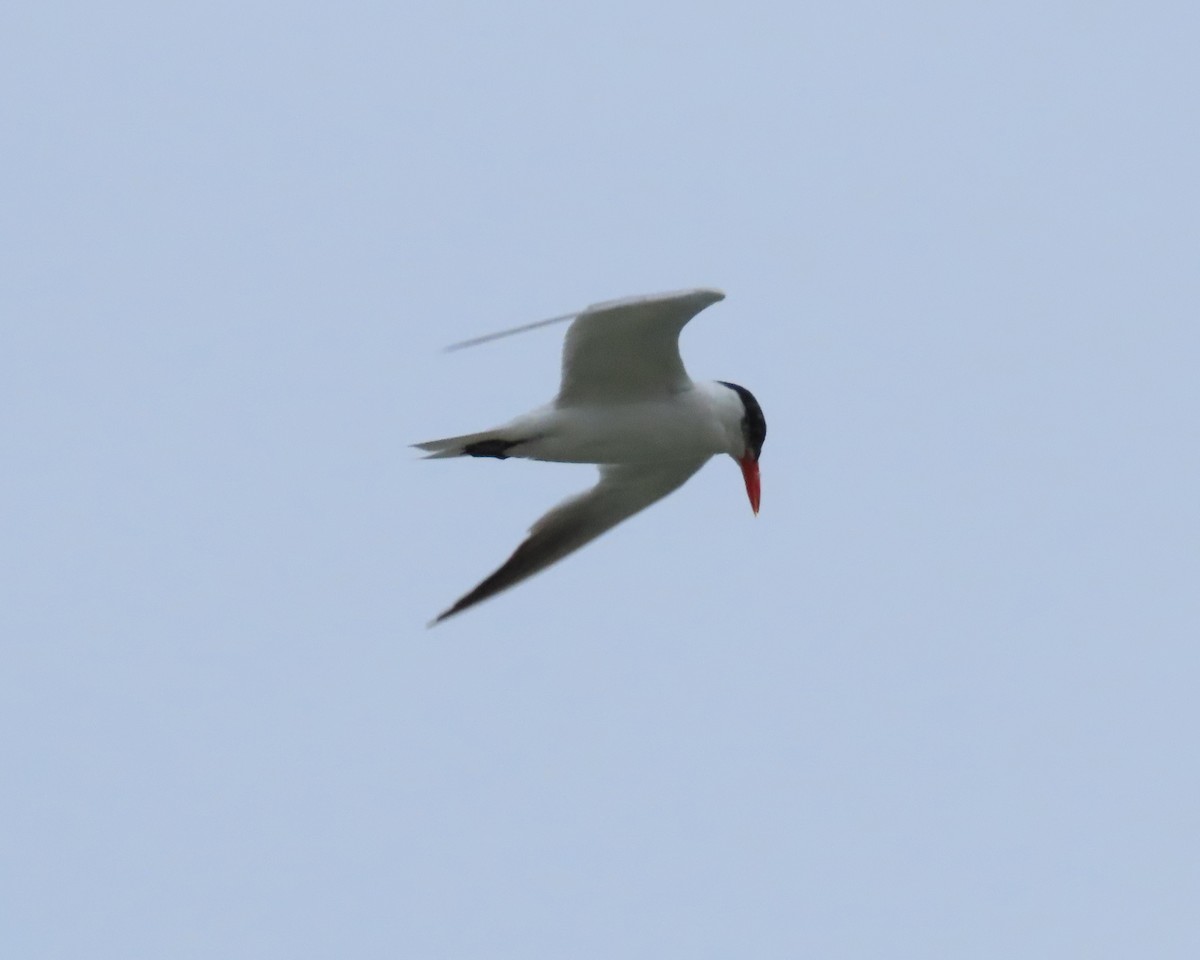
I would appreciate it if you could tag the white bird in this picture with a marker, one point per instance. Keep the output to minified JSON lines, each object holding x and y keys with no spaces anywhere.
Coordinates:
{"x":626,"y":404}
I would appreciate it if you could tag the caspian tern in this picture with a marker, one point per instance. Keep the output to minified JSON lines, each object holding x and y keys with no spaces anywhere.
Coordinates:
{"x":626,"y":404}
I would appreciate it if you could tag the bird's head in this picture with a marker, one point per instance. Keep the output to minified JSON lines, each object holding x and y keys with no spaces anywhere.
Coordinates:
{"x":753,"y":432}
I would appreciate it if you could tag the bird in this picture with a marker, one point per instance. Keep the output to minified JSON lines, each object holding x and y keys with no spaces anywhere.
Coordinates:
{"x":626,"y":404}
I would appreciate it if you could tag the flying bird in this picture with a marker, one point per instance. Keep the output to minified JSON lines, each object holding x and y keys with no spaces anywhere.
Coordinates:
{"x":626,"y":404}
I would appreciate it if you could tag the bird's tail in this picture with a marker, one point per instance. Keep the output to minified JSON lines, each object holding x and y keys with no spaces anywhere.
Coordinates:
{"x":489,"y":443}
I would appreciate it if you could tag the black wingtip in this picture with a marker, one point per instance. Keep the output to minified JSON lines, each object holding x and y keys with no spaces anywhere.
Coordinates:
{"x":496,"y":447}
{"x":478,"y":595}
{"x":461,"y":604}
{"x":445,"y":614}
{"x":458,"y":607}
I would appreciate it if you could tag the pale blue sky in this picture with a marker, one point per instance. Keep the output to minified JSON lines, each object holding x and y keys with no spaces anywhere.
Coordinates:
{"x":937,"y":701}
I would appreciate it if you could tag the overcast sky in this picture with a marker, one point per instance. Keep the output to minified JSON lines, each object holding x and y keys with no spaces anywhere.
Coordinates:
{"x":937,"y":701}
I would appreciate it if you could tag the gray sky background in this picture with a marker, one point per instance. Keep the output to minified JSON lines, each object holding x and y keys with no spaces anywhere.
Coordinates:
{"x":938,"y":700}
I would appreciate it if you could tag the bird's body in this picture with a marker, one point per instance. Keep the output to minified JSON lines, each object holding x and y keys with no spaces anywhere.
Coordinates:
{"x":704,"y":417}
{"x":627,"y":405}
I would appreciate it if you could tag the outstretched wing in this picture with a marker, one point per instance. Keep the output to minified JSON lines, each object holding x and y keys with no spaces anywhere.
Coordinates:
{"x":625,"y":350}
{"x":623,"y":490}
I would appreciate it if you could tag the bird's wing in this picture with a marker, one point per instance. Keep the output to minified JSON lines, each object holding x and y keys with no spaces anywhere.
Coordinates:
{"x":622,"y":491}
{"x":628,"y":349}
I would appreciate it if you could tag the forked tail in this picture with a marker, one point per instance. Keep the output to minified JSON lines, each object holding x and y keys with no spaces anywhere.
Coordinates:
{"x":489,"y":443}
